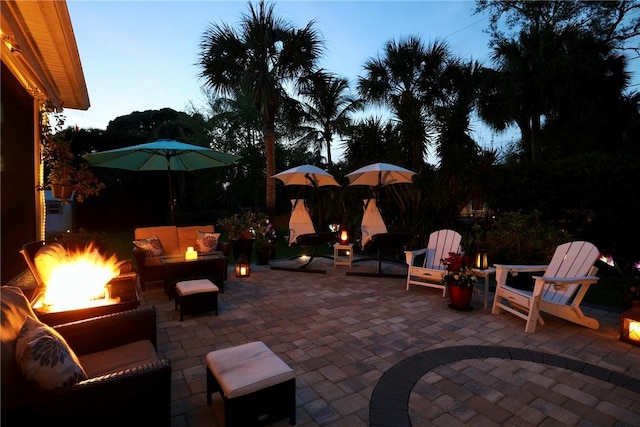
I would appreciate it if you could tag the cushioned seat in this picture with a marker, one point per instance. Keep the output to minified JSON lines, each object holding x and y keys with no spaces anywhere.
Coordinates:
{"x":100,"y":371}
{"x":254,"y":382}
{"x":196,"y":295}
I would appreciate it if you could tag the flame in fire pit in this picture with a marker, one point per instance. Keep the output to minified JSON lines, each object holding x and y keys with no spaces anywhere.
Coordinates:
{"x":74,"y":277}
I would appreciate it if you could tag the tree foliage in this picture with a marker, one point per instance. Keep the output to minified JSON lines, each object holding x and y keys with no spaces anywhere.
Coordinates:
{"x":259,"y":59}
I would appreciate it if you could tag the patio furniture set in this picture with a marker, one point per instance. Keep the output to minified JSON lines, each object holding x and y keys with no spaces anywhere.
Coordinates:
{"x":255,"y":384}
{"x":104,"y":355}
{"x":559,"y":291}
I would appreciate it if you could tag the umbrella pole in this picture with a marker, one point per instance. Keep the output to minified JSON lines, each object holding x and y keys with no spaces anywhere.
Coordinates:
{"x":173,"y":220}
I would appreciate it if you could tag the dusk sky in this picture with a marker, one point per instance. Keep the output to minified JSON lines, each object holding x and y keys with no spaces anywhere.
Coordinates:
{"x":142,"y":55}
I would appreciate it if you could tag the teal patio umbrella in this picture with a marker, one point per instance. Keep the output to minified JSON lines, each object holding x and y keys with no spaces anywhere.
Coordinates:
{"x":163,"y":154}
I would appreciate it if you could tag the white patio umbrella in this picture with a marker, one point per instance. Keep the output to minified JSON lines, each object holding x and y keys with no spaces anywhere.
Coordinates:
{"x":306,"y":175}
{"x":380,"y":175}
{"x":163,"y":154}
{"x":376,"y":176}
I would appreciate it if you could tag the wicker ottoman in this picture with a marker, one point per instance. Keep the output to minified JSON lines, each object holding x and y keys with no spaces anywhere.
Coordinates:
{"x":257,"y":387}
{"x":194,"y":296}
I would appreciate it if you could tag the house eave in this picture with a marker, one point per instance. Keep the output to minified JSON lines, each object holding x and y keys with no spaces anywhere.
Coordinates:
{"x":39,"y":47}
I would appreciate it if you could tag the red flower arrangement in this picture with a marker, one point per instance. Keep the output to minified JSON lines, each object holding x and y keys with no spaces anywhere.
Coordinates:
{"x":459,"y":270}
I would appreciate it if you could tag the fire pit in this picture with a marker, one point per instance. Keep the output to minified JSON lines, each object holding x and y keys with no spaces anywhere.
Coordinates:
{"x":78,"y":284}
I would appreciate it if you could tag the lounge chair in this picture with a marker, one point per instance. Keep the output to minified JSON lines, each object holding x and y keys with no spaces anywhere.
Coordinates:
{"x":376,"y":237}
{"x":303,"y":233}
{"x":558,"y":291}
{"x":425,"y":268}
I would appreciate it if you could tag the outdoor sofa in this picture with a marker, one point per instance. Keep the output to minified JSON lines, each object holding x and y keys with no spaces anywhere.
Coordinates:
{"x":174,"y":241}
{"x":111,"y":376}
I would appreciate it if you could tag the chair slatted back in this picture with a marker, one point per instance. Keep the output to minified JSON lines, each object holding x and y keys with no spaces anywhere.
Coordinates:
{"x":441,"y":242}
{"x":300,"y":222}
{"x":572,"y":259}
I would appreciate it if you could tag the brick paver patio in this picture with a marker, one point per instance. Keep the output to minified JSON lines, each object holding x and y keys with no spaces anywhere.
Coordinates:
{"x":341,"y":334}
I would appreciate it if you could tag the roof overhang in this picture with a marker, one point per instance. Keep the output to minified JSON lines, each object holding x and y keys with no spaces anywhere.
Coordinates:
{"x":39,"y":47}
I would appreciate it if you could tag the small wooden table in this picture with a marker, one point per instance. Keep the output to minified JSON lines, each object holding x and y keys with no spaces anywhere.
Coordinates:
{"x":485,"y":273}
{"x":343,"y":255}
{"x":212,"y":267}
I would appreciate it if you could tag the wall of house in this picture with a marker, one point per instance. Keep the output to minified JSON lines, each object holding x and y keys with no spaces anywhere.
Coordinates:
{"x":17,"y":175}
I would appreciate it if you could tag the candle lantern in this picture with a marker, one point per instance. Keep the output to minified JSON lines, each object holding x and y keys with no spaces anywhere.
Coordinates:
{"x":243,"y":268}
{"x":343,"y":235}
{"x":190,"y":254}
{"x":482,"y":262}
{"x":630,"y":325}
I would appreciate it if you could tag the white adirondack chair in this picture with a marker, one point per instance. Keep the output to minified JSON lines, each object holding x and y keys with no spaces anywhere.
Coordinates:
{"x":430,"y":271}
{"x":559,"y":291}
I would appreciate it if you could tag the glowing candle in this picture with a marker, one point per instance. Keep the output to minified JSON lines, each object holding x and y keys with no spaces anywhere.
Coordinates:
{"x":190,"y":254}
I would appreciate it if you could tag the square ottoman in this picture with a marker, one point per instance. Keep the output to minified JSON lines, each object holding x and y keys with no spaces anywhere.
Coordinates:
{"x":194,"y":296}
{"x":257,"y":387}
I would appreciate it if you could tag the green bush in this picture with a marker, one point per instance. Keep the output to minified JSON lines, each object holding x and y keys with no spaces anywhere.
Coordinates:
{"x":522,"y":238}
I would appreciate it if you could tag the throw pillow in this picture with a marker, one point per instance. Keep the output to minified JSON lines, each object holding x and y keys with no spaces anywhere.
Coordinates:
{"x":45,"y":358}
{"x":206,"y":242}
{"x":152,"y":246}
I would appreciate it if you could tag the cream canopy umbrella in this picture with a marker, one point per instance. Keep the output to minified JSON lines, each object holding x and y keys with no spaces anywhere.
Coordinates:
{"x":307,"y":175}
{"x":380,"y":175}
{"x":376,"y":176}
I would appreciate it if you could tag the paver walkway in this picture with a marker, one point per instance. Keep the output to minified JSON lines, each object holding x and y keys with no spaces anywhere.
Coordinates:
{"x":346,"y":335}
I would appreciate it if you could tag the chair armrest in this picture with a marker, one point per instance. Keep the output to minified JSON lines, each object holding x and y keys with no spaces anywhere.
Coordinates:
{"x":224,"y":247}
{"x":112,"y":330}
{"x":568,"y":280}
{"x":412,"y":255}
{"x":514,"y":269}
{"x":139,"y":256}
{"x":137,"y":396}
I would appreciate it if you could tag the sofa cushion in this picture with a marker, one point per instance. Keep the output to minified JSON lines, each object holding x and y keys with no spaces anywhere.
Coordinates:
{"x":166,"y":233}
{"x":187,"y":235}
{"x":206,"y":242}
{"x":45,"y":358}
{"x":118,"y":358}
{"x":15,"y":309}
{"x":152,"y":246}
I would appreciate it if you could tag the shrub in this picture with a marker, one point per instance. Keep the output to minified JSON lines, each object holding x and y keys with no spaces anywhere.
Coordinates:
{"x":523,"y":238}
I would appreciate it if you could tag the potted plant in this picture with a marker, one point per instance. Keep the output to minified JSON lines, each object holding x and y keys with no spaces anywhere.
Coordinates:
{"x":66,"y":174}
{"x":459,"y":280}
{"x":265,"y":242}
{"x":241,"y":229}
{"x":627,"y":282}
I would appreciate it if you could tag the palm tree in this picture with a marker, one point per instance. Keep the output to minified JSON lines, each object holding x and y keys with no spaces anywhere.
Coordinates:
{"x":406,"y":79}
{"x":327,"y":110}
{"x":461,"y":160}
{"x":260,"y":58}
{"x":369,"y":140}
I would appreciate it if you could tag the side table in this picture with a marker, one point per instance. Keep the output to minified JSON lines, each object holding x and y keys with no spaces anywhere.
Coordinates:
{"x":343,"y":255}
{"x":485,"y":273}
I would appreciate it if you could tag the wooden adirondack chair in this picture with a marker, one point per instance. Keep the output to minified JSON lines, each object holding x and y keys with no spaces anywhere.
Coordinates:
{"x":430,"y":272}
{"x":559,"y":291}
